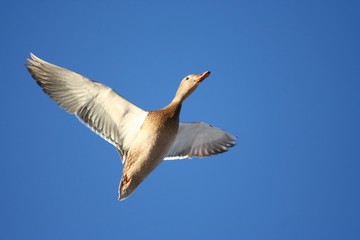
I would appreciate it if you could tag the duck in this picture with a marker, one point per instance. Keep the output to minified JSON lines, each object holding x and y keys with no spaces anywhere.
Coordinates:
{"x":143,"y":138}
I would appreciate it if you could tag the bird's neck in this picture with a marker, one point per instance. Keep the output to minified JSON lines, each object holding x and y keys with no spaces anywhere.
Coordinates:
{"x":174,"y":108}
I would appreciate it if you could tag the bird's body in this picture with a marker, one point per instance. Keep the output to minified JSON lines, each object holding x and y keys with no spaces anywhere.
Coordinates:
{"x":143,"y":138}
{"x":159,"y":129}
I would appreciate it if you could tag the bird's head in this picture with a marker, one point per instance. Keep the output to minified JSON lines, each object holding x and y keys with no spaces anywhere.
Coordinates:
{"x":189,"y":84}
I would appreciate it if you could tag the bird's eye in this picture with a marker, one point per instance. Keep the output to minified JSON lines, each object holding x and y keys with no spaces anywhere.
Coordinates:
{"x":187,"y":78}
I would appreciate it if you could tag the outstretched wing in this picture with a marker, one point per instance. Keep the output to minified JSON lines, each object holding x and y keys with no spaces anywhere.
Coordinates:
{"x":98,"y":106}
{"x":199,"y":140}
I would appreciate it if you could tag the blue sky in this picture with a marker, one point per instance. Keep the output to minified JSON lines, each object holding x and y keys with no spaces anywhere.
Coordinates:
{"x":285,"y":80}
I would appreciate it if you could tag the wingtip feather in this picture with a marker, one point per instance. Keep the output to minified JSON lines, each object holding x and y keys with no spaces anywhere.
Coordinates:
{"x":33,"y":56}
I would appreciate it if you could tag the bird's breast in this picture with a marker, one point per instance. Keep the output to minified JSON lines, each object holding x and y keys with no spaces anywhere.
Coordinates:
{"x":151,"y":145}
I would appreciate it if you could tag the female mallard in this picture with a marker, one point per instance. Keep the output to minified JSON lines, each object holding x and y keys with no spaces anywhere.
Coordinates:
{"x":143,"y":138}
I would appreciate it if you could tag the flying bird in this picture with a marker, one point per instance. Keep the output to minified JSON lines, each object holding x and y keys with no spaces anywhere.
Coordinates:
{"x":143,"y":138}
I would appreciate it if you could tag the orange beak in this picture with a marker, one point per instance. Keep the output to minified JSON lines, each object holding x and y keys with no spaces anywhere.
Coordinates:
{"x":203,"y":76}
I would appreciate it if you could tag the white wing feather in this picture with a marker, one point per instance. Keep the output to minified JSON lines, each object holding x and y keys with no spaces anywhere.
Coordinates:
{"x":199,"y":140}
{"x":98,"y":106}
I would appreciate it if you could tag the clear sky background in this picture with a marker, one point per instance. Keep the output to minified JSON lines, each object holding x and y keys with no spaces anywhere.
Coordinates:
{"x":285,"y":80}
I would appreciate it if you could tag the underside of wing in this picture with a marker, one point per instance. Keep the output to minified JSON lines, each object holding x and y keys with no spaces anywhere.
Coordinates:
{"x":98,"y":106}
{"x":199,"y":140}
